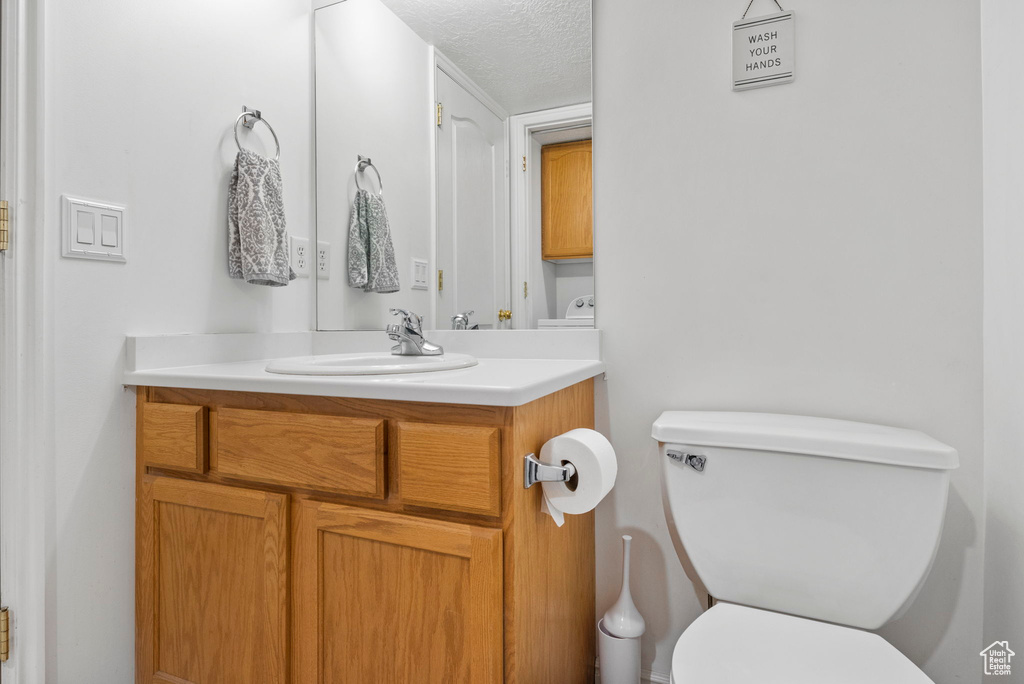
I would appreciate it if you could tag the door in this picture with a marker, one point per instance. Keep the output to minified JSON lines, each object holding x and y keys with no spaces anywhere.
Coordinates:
{"x":211,"y":584}
{"x":472,"y":208}
{"x":383,"y":597}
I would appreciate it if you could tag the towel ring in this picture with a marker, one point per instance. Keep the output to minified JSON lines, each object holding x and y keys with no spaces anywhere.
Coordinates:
{"x":256,"y":117}
{"x":361,"y":167}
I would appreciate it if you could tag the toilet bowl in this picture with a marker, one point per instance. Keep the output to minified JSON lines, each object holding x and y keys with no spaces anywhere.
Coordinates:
{"x":808,"y":532}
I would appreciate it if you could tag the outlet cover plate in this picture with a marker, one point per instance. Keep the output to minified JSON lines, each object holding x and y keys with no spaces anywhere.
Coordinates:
{"x":323,"y":260}
{"x":300,"y":256}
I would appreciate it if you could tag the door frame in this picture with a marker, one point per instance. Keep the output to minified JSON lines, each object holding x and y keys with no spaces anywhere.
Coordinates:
{"x":439,"y":61}
{"x":26,"y":389}
{"x":521,"y":128}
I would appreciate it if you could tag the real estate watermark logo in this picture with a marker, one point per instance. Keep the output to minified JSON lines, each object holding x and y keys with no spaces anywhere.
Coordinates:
{"x":997,"y":658}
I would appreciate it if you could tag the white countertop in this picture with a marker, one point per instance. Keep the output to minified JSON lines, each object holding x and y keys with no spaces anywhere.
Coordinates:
{"x":492,"y":382}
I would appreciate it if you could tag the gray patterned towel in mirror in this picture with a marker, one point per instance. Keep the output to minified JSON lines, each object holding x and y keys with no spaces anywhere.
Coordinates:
{"x":257,"y":235}
{"x":371,"y":256}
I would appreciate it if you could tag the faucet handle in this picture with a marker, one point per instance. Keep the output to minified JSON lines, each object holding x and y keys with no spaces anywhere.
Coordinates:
{"x":409,"y":319}
{"x":461,"y":321}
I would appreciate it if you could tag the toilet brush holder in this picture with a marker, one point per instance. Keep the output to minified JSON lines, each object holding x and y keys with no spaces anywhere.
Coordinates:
{"x":619,"y":632}
{"x":619,"y":658}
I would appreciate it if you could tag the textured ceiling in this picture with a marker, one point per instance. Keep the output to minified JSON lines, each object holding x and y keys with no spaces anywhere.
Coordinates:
{"x":526,"y":54}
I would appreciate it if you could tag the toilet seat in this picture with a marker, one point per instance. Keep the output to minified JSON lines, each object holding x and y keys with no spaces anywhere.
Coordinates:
{"x":732,"y":644}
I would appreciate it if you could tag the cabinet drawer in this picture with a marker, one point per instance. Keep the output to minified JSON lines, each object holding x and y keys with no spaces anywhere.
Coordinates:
{"x":452,"y":467}
{"x":174,"y":436}
{"x":318,"y":452}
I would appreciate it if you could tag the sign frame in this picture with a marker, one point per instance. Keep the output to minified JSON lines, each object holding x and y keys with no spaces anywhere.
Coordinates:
{"x":763,"y":52}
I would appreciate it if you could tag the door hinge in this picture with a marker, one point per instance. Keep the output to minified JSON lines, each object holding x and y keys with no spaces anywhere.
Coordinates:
{"x":440,"y":109}
{"x":525,"y":290}
{"x":524,"y":162}
{"x":5,"y":631}
{"x":440,"y":280}
{"x":5,"y":226}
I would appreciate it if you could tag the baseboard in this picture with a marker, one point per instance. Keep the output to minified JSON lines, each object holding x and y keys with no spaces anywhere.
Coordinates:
{"x":646,"y":677}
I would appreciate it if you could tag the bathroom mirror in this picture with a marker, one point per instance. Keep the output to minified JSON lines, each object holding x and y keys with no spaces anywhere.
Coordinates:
{"x":476,"y":121}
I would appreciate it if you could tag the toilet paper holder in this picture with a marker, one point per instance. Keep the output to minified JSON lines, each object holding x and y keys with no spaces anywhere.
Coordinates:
{"x":534,"y":471}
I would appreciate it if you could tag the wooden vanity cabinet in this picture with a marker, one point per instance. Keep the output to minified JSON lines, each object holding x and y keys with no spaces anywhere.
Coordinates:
{"x":567,"y":201}
{"x":313,"y":540}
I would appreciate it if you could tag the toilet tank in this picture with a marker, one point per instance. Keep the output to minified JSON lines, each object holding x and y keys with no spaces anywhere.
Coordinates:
{"x":826,"y":519}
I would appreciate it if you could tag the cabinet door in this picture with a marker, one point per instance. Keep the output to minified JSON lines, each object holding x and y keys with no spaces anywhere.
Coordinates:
{"x":211,"y":584}
{"x":383,"y":597}
{"x":567,"y":211}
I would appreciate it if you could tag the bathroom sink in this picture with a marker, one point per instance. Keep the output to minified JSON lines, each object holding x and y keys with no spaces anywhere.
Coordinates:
{"x":372,"y":363}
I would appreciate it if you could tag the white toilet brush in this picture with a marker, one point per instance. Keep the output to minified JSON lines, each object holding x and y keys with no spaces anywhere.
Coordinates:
{"x":619,"y":633}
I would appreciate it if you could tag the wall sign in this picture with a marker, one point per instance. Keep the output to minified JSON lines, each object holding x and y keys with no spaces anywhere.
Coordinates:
{"x":762,"y":51}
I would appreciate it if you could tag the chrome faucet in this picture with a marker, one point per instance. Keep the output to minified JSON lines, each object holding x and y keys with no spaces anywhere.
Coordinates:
{"x":409,"y":335}
{"x":461,"y":321}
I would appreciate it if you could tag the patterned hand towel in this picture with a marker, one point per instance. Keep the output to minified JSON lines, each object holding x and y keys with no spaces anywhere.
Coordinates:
{"x":257,"y":236}
{"x":371,"y":256}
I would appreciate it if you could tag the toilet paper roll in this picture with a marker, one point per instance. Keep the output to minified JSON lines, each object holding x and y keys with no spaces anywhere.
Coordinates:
{"x":594,"y":459}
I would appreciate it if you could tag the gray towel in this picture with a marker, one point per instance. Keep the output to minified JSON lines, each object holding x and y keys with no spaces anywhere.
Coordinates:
{"x":257,"y":237}
{"x":371,"y":256}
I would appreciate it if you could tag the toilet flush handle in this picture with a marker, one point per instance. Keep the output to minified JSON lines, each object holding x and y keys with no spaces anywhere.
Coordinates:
{"x":693,"y":460}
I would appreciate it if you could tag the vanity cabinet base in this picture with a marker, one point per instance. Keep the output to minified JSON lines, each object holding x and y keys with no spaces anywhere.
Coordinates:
{"x":343,"y":556}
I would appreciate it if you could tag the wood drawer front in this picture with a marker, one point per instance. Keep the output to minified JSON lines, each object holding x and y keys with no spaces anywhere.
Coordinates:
{"x":318,"y":452}
{"x":174,"y":437}
{"x":451,"y":467}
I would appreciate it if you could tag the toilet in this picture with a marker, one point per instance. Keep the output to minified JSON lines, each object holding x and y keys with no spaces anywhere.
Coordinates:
{"x":808,"y":532}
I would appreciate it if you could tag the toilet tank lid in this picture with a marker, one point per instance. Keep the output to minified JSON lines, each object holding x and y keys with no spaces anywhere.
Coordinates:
{"x":805,"y":435}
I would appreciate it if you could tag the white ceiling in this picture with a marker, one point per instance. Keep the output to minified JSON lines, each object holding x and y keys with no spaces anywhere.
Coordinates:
{"x":526,"y":54}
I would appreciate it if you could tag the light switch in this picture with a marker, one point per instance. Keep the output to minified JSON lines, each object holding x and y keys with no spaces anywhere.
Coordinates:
{"x":93,"y":230}
{"x":85,"y":228}
{"x":109,"y":230}
{"x":419,"y":274}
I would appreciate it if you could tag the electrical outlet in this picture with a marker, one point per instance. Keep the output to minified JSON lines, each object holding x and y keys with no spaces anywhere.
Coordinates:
{"x":323,"y":260}
{"x":300,"y":256}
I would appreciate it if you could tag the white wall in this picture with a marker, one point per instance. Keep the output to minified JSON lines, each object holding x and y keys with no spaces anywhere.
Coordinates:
{"x":1004,"y":323}
{"x":372,"y":98}
{"x":820,"y":245}
{"x":140,"y":100}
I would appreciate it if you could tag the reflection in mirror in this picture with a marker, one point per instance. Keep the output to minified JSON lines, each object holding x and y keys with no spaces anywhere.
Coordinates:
{"x":476,"y":119}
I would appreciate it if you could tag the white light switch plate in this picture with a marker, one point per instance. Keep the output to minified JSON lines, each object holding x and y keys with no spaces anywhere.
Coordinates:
{"x":300,"y":256}
{"x":93,"y":230}
{"x":419,"y":274}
